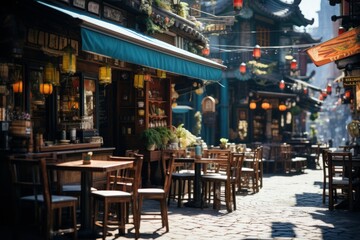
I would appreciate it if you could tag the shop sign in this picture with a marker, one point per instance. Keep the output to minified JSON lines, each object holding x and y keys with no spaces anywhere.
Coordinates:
{"x":350,"y":81}
{"x":342,"y":46}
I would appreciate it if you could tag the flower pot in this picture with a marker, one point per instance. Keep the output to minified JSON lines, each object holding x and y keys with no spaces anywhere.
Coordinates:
{"x":151,"y":147}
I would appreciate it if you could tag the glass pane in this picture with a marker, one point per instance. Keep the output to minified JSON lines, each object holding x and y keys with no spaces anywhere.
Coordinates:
{"x":89,"y":104}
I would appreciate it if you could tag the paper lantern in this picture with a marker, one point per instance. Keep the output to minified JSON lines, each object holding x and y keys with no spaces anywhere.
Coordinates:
{"x":18,"y":87}
{"x":282,"y":107}
{"x":293,"y":65}
{"x":46,"y":88}
{"x":69,"y":60}
{"x":139,"y":81}
{"x":252,"y":105}
{"x":105,"y":75}
{"x":265,"y":105}
{"x":206,"y":51}
{"x":257,"y":52}
{"x":238,"y":4}
{"x":242,"y":68}
{"x":282,"y":84}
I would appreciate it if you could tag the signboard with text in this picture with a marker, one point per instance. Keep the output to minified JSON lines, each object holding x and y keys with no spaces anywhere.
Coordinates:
{"x":342,"y":46}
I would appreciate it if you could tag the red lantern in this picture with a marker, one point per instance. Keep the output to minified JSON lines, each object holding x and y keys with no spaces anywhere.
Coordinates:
{"x":341,"y":30}
{"x":282,"y":84}
{"x":329,"y":89}
{"x":305,"y":91}
{"x":206,"y":51}
{"x":347,"y":94}
{"x":293,"y":65}
{"x":238,"y":4}
{"x":252,"y":105}
{"x":257,"y":52}
{"x":242,"y":68}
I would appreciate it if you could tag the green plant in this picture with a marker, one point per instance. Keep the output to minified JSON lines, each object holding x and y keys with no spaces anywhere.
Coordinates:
{"x":151,"y":137}
{"x":165,"y":134}
{"x":224,"y":140}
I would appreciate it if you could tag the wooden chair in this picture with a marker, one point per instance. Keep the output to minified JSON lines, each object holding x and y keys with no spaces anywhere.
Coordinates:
{"x":159,"y":194}
{"x":119,"y":194}
{"x":250,"y":172}
{"x":182,"y":177}
{"x":227,"y":181}
{"x":31,"y":176}
{"x":343,"y":179}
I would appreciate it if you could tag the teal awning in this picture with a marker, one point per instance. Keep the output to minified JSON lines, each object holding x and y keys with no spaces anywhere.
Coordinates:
{"x":130,"y":46}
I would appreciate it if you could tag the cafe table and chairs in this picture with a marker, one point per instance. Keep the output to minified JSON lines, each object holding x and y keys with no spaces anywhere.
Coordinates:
{"x":87,"y":169}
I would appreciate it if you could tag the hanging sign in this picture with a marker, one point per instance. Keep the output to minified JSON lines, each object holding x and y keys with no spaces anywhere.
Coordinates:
{"x":342,"y":46}
{"x":350,"y":81}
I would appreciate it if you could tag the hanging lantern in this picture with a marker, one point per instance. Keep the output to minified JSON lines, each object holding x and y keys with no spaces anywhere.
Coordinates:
{"x":18,"y":87}
{"x":329,"y":89}
{"x":347,"y":94}
{"x":282,"y":107}
{"x":242,"y":68}
{"x":293,"y":65}
{"x":105,"y":75}
{"x":252,"y":105}
{"x":238,"y":5}
{"x":265,"y":105}
{"x":305,"y":90}
{"x":199,"y":91}
{"x":46,"y":88}
{"x":49,"y":73}
{"x":161,"y":74}
{"x":4,"y":71}
{"x":341,"y":30}
{"x":257,"y":52}
{"x":57,"y":78}
{"x":69,"y":60}
{"x":206,"y":51}
{"x":139,"y":80}
{"x":282,"y":84}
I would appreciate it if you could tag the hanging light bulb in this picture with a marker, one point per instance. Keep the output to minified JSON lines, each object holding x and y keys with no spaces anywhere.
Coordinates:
{"x":105,"y":75}
{"x":242,"y":68}
{"x":257,"y":52}
{"x":69,"y":60}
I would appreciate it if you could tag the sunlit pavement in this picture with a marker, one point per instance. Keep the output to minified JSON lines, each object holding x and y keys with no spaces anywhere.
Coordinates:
{"x":287,"y":207}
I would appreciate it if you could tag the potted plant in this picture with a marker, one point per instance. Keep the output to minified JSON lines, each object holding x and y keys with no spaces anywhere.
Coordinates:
{"x":165,"y":134}
{"x":223,"y":143}
{"x":152,"y":138}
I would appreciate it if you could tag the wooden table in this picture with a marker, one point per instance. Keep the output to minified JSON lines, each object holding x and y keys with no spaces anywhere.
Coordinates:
{"x":86,"y":176}
{"x":199,"y":161}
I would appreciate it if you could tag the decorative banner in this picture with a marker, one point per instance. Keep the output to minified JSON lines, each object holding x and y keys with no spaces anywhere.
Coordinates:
{"x":342,"y":46}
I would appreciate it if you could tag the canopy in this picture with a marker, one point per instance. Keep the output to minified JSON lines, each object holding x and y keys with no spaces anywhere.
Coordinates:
{"x":121,"y":43}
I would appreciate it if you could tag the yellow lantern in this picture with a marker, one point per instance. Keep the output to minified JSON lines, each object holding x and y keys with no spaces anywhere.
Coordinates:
{"x":46,"y":88}
{"x":161,"y":74}
{"x":56,"y":81}
{"x":49,"y":73}
{"x":265,"y":105}
{"x":139,"y":81}
{"x":105,"y":75}
{"x":282,"y":107}
{"x":252,"y":105}
{"x":69,"y":60}
{"x":18,"y":87}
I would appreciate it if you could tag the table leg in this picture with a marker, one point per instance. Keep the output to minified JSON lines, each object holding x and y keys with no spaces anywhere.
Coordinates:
{"x":196,"y":203}
{"x":85,"y":214}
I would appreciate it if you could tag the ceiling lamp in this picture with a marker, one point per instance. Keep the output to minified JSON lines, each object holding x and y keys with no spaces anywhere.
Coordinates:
{"x":161,"y":74}
{"x":46,"y":88}
{"x":242,"y":68}
{"x":257,"y":52}
{"x":18,"y":86}
{"x":139,"y":80}
{"x":293,"y":65}
{"x":282,"y":107}
{"x":238,"y":5}
{"x":252,"y":105}
{"x":265,"y":105}
{"x":69,"y":60}
{"x":282,"y":84}
{"x":105,"y":75}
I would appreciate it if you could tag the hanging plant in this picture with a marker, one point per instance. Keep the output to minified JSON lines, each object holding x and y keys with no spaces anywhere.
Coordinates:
{"x":314,"y":116}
